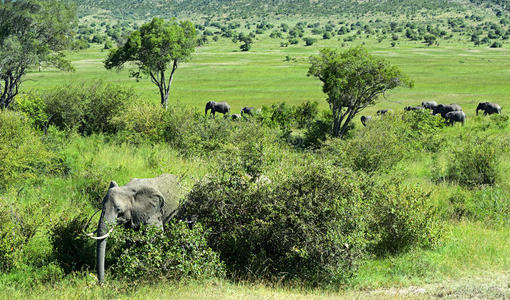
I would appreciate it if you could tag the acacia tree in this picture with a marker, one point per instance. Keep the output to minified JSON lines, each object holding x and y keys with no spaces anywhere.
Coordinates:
{"x":156,"y":48}
{"x":32,"y":33}
{"x":353,"y":80}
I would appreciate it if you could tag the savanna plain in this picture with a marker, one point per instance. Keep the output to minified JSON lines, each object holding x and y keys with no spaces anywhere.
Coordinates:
{"x":438,"y":222}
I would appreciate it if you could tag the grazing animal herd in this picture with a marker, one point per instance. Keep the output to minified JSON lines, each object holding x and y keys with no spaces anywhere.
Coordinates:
{"x":452,"y":113}
{"x":224,"y":108}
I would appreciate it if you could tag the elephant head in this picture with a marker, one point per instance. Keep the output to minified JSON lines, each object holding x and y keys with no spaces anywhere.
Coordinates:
{"x":209,"y":106}
{"x":150,"y":201}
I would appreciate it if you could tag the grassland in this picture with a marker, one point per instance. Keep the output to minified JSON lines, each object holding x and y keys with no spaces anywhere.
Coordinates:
{"x":450,"y":73}
{"x":470,"y":253}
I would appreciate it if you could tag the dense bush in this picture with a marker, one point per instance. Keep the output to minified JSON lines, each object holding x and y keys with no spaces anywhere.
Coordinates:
{"x":88,"y":108}
{"x":34,"y":107}
{"x":404,"y":218}
{"x":474,"y":161}
{"x":179,"y":253}
{"x":22,"y":154}
{"x":140,"y":123}
{"x":71,"y":248}
{"x":308,"y":227}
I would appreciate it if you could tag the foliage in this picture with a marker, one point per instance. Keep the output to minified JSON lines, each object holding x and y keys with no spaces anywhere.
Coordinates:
{"x":475,"y":161}
{"x":153,"y":48}
{"x":353,"y":80}
{"x":71,"y":248}
{"x":31,"y":32}
{"x":22,"y":153}
{"x":34,"y":107}
{"x":404,"y":218}
{"x":179,"y":253}
{"x":88,"y":108}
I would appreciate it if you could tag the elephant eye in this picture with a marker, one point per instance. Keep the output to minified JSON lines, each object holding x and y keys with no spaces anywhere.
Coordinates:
{"x":118,"y":210}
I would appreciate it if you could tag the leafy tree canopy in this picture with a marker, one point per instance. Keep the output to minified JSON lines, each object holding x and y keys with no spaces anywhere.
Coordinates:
{"x":353,"y":80}
{"x":156,"y":48}
{"x":32,"y":33}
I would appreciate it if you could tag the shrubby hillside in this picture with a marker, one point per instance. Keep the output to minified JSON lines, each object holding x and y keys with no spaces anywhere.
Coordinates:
{"x":250,"y":8}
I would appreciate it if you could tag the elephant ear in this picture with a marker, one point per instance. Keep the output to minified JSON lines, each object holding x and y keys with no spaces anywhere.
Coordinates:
{"x":113,"y":184}
{"x":147,"y":206}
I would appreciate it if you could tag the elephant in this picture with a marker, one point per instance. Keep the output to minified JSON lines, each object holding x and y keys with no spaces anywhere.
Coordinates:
{"x":147,"y":201}
{"x":221,"y":107}
{"x":455,"y":116}
{"x":365,"y":119}
{"x":247,"y":110}
{"x":429,"y":104}
{"x":488,"y":108}
{"x":444,"y":109}
{"x":413,"y":108}
{"x":236,"y":117}
{"x":383,"y":111}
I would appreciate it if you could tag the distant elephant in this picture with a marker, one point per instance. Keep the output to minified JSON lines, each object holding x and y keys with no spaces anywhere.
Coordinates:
{"x":383,"y":111}
{"x":444,"y":109}
{"x":488,"y":108}
{"x":236,"y":117}
{"x":247,"y":110}
{"x":455,"y":116}
{"x":148,"y":201}
{"x":221,"y":107}
{"x":365,"y":119}
{"x":429,"y":104}
{"x":413,"y":108}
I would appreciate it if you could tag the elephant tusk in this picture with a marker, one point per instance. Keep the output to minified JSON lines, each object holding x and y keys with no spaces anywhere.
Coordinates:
{"x":87,"y":225}
{"x":103,"y":236}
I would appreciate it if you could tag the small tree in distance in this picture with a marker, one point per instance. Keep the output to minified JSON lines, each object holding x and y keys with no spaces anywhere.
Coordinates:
{"x":155,"y":48}
{"x":353,"y":80}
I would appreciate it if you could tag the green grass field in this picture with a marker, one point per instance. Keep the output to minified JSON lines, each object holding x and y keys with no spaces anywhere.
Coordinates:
{"x":450,"y":73}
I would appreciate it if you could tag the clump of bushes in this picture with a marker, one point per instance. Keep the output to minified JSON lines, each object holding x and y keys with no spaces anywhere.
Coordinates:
{"x":87,"y":108}
{"x":474,"y":161}
{"x":22,"y":153}
{"x":314,"y":223}
{"x":72,"y":250}
{"x":178,"y":253}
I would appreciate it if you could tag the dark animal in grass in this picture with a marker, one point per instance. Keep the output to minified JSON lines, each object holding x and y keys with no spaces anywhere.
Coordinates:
{"x":221,"y":107}
{"x":455,"y":116}
{"x":365,"y":119}
{"x":444,"y":109}
{"x":413,"y":108}
{"x":488,"y":108}
{"x":148,"y":201}
{"x":429,"y":104}
{"x":236,"y":117}
{"x":383,"y":111}
{"x":247,"y":111}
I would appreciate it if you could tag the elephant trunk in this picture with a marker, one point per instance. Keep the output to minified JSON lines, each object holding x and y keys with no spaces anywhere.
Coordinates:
{"x":477,"y":111}
{"x":101,"y":248}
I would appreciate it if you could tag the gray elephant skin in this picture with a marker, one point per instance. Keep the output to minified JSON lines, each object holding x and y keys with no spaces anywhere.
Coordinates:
{"x":455,"y":116}
{"x":365,"y":119}
{"x":429,"y":104}
{"x":413,"y":108}
{"x":383,"y":111}
{"x":444,"y":109}
{"x":488,"y":108}
{"x":148,"y":201}
{"x":221,"y":107}
{"x":247,"y":110}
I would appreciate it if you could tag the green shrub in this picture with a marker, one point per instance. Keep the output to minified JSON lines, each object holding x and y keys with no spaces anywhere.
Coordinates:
{"x":179,"y":253}
{"x":306,"y":113}
{"x":71,"y":248}
{"x":34,"y":107}
{"x":141,"y":123}
{"x":22,"y":154}
{"x":88,"y":108}
{"x":474,"y":161}
{"x":403,"y":218}
{"x":309,"y":226}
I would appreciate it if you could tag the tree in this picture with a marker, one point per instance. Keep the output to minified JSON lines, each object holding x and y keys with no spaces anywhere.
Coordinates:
{"x":429,"y":39}
{"x":156,"y":48}
{"x":32,"y":33}
{"x":353,"y":80}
